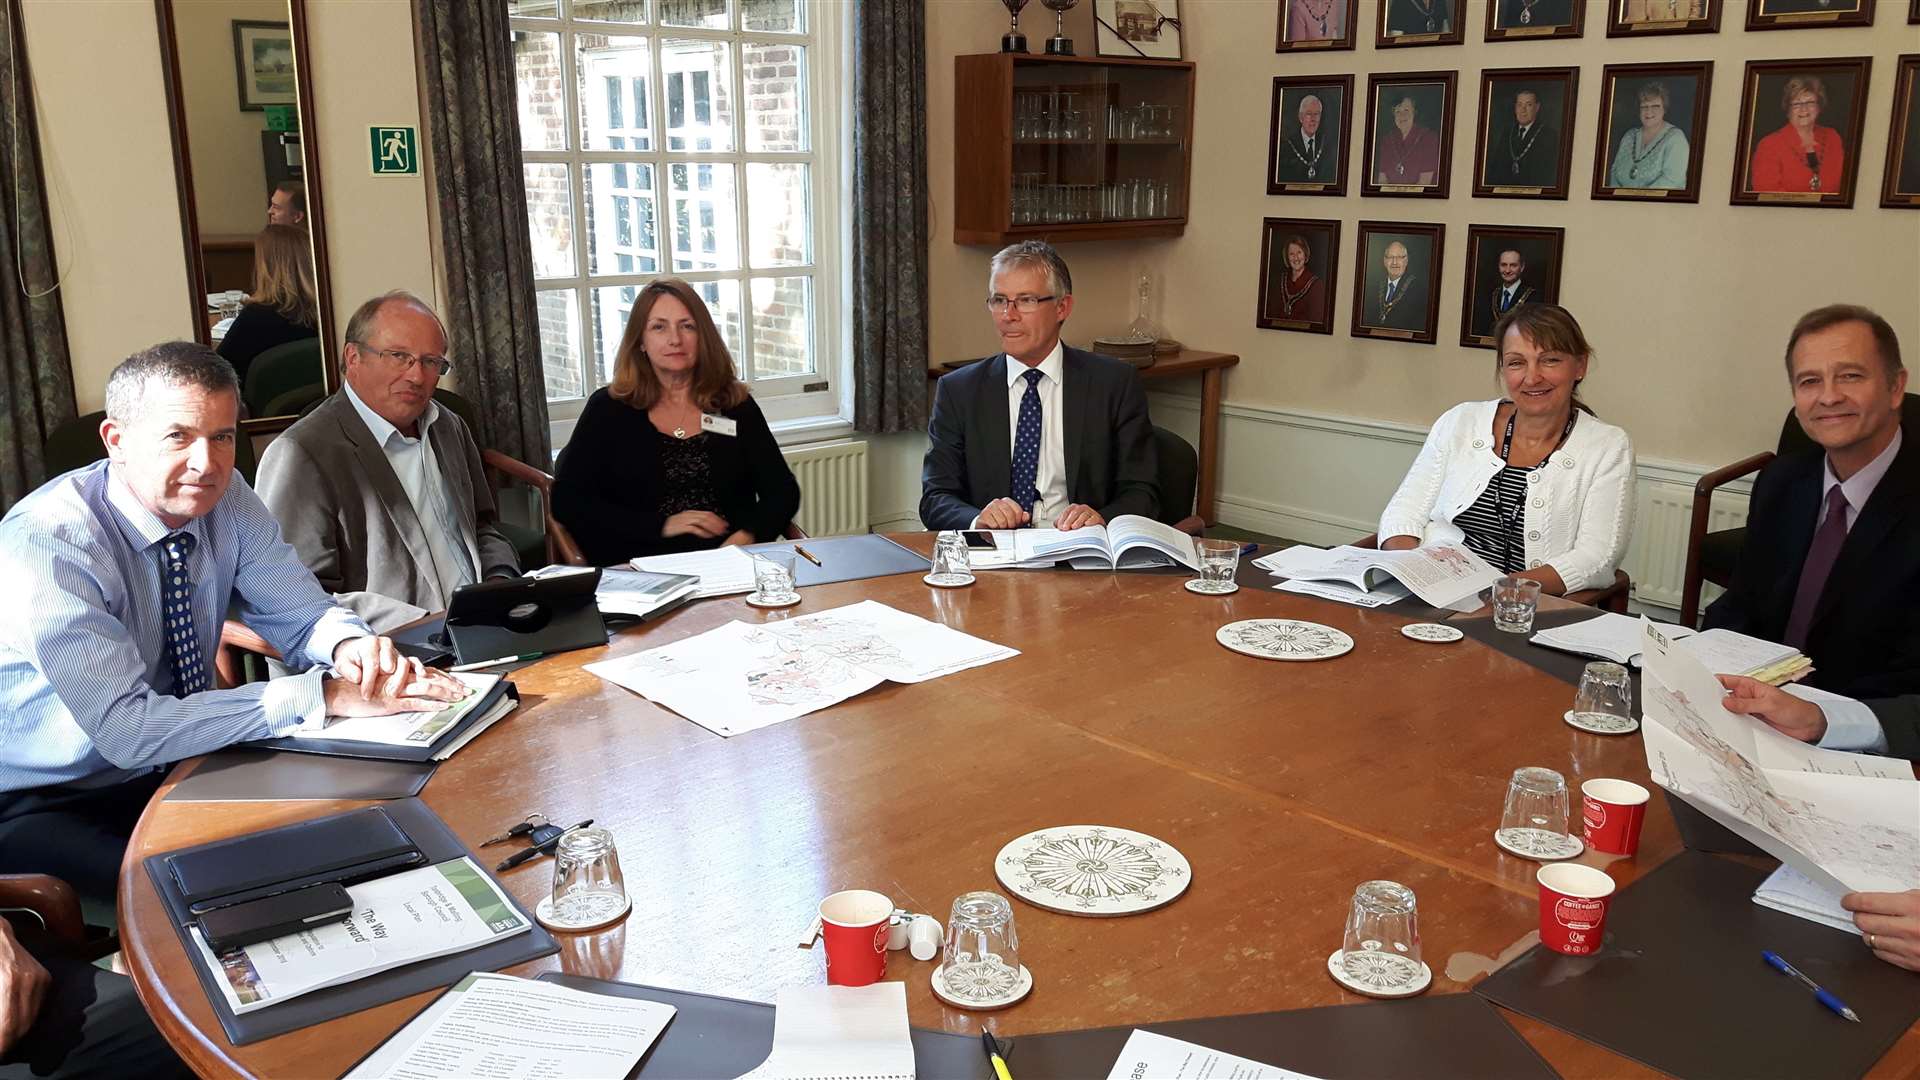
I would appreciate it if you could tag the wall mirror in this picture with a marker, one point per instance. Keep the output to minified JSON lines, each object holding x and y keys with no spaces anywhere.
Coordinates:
{"x":240,"y":103}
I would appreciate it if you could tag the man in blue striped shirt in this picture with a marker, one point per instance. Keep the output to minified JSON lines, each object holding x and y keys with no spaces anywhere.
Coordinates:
{"x":115,"y":580}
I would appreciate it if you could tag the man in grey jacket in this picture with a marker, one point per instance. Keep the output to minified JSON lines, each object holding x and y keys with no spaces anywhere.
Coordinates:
{"x":379,"y":489}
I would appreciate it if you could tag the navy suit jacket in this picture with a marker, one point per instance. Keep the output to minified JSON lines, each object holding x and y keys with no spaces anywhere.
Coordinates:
{"x":1110,"y":460}
{"x":1900,"y":719}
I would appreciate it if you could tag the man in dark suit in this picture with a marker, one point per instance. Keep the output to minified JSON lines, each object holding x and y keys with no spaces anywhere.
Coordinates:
{"x":1311,"y":153}
{"x":1526,"y":153}
{"x":1399,"y":299}
{"x":1039,"y":434}
{"x":1512,"y":291}
{"x":1831,"y":563}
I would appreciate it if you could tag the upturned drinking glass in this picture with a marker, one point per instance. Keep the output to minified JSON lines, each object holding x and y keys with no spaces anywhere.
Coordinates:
{"x":1534,"y":818}
{"x":1381,"y":947}
{"x":951,"y":564}
{"x":1605,"y":694}
{"x":588,"y":889}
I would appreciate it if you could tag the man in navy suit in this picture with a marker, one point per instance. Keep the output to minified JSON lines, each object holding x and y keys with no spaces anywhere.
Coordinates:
{"x":1039,"y":434}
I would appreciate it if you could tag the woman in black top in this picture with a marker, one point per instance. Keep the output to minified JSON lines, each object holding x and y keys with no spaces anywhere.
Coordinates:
{"x":282,"y":307}
{"x":673,"y":455}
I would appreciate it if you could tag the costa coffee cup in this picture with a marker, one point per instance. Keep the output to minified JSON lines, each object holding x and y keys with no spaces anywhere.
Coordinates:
{"x":1573,"y":907}
{"x":1611,"y":812}
{"x":855,"y":925}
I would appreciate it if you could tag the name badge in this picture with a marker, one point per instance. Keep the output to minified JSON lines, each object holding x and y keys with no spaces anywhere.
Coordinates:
{"x":719,"y":425}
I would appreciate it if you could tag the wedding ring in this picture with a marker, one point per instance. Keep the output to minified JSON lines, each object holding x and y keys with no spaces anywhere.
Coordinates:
{"x":1870,"y":943}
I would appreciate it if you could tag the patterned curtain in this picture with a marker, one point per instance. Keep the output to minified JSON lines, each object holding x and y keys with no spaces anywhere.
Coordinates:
{"x":473,"y":134}
{"x":890,"y":215}
{"x":36,"y":376}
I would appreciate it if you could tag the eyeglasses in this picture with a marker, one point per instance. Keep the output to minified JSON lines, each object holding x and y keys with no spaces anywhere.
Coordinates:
{"x":1809,"y":103}
{"x":1025,"y":305}
{"x":439,"y":365}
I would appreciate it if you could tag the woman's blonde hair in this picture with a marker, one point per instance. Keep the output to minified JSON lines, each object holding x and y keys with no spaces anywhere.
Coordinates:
{"x":715,"y":387}
{"x":283,"y":274}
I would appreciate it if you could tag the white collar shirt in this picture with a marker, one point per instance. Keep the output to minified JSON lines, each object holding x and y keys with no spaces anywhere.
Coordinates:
{"x":1050,"y":477}
{"x":1858,"y":488}
{"x":455,"y":554}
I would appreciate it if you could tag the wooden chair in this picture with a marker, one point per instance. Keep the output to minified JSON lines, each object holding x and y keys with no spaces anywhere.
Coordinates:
{"x":1612,"y":597}
{"x":561,"y":547}
{"x":49,"y":900}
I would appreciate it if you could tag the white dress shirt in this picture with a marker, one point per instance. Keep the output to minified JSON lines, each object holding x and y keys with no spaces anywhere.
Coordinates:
{"x":1050,"y":477}
{"x":1850,"y":724}
{"x":455,"y":555}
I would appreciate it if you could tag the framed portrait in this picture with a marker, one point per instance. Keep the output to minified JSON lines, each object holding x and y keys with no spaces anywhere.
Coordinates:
{"x":1913,"y":11}
{"x":1299,"y":273}
{"x":1807,"y":14}
{"x":1799,"y":141}
{"x":1653,"y":131}
{"x":1137,"y":28}
{"x":263,"y":64}
{"x":1315,"y":24}
{"x":1409,"y":126}
{"x":1307,"y":136}
{"x":1900,"y":188}
{"x":1651,"y":18}
{"x":1507,"y":265}
{"x":1520,"y":20}
{"x":1523,"y":145}
{"x":1408,"y":23}
{"x":1396,"y":286}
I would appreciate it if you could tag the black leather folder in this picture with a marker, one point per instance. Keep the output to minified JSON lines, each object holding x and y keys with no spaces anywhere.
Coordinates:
{"x":251,"y":775}
{"x":383,"y":752}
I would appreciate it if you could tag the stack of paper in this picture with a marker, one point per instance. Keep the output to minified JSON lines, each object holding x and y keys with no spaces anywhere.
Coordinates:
{"x":1610,"y":636}
{"x":634,"y":593}
{"x":1793,"y":892}
{"x":1727,"y":653}
{"x":856,"y":1032}
{"x":419,"y":728}
{"x":722,"y":571}
{"x":1148,"y":1053}
{"x":1442,"y":575}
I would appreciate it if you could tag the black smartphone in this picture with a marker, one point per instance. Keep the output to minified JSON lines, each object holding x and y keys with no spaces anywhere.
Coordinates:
{"x":275,"y":916}
{"x":978,"y":539}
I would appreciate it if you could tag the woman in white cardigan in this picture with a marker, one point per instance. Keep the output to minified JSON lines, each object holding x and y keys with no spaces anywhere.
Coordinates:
{"x":1533,"y":483}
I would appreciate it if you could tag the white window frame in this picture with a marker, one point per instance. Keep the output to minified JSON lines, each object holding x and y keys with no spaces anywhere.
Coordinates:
{"x":797,"y":407}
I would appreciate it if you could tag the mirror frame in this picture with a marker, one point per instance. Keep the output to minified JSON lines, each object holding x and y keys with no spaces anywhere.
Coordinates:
{"x":310,"y":170}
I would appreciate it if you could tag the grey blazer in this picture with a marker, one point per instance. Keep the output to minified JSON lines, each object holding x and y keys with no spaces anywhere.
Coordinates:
{"x":343,"y":509}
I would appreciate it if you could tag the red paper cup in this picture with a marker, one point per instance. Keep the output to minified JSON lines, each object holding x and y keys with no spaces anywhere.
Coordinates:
{"x":1612,"y":811}
{"x":1573,"y":907}
{"x":854,"y":924}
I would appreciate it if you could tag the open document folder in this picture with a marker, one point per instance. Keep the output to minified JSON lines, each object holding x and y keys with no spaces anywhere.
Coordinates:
{"x":1849,"y":822}
{"x":1124,"y":543}
{"x":1441,"y":575}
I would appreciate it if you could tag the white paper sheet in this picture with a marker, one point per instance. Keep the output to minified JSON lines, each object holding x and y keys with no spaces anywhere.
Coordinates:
{"x":1151,"y":1056}
{"x":1385,"y":593}
{"x":405,"y":729}
{"x":491,"y":1025}
{"x":722,"y":571}
{"x":1608,"y":636}
{"x":1727,"y":653}
{"x":1793,"y":892}
{"x":834,"y":1032}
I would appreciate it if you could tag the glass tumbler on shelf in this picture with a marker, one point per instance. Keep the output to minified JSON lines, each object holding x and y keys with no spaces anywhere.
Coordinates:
{"x":1514,"y":601}
{"x":1534,"y":818}
{"x":951,"y":566}
{"x":1381,"y":946}
{"x":982,"y":951}
{"x":1605,"y":697}
{"x":588,"y":890}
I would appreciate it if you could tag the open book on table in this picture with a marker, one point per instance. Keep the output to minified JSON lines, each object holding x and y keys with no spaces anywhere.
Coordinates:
{"x":1441,"y":575}
{"x":1124,"y":543}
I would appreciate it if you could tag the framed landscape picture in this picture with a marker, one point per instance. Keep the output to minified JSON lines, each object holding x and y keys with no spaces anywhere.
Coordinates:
{"x":1396,"y":283}
{"x":1409,"y":133}
{"x":1800,"y":126}
{"x":263,"y":63}
{"x":1315,"y":24}
{"x":1651,"y":18}
{"x":1523,"y":145}
{"x":1299,"y":274}
{"x":1307,"y":135}
{"x":1653,"y":131}
{"x":1507,"y":266}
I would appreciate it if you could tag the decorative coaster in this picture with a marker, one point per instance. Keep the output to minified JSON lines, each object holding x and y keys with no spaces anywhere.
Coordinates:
{"x":1092,"y":870}
{"x":949,"y":581}
{"x":1204,"y":588}
{"x":1437,"y":633}
{"x":755,"y":601}
{"x":1380,"y":974}
{"x":589,"y":912}
{"x":984,"y":984}
{"x":1538,"y":844}
{"x":1284,"y":639}
{"x":1602,"y":723}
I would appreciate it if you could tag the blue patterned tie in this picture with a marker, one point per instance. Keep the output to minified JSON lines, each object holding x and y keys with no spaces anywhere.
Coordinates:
{"x":1026,"y":445}
{"x":176,"y":615}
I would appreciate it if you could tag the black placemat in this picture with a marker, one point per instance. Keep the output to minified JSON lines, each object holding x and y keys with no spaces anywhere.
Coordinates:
{"x":1564,"y":666}
{"x":247,"y":775}
{"x":849,"y":558}
{"x":1679,"y":984}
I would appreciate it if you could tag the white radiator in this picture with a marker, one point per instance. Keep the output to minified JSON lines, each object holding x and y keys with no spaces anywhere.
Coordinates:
{"x":1657,"y":558}
{"x":833,"y":487}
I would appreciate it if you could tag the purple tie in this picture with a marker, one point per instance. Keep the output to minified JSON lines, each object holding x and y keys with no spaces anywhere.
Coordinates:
{"x":1821,"y":555}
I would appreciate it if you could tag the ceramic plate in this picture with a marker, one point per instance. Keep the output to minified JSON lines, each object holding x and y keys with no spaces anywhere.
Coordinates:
{"x":1437,"y":633}
{"x":1284,"y":639}
{"x":1092,"y":870}
{"x":987,"y":985}
{"x":1379,"y":974}
{"x":1538,"y":844}
{"x":1602,"y":723}
{"x":1195,"y":585}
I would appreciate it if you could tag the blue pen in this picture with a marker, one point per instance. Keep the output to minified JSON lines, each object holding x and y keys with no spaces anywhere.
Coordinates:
{"x":1249,"y":548}
{"x":1820,"y":993}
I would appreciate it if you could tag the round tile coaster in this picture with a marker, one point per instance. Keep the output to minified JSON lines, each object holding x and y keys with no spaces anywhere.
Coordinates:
{"x":948,"y":581}
{"x":754,"y":601}
{"x":1538,"y":844}
{"x":603,"y":911}
{"x":1195,"y":585}
{"x":1437,"y":633}
{"x":1092,"y":870}
{"x":1284,"y":639}
{"x":1602,"y":723}
{"x":1380,"y":974}
{"x":981,"y":985}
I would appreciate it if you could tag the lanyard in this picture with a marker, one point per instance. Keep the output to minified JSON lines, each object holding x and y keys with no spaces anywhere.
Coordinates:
{"x":1506,"y":441}
{"x":1510,"y":519}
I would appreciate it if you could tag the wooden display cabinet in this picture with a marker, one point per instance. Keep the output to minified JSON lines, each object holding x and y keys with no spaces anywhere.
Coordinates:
{"x":1070,"y":148}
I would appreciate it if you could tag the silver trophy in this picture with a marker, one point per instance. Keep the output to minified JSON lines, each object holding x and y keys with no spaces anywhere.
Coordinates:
{"x":1060,"y":44}
{"x":1013,"y":40}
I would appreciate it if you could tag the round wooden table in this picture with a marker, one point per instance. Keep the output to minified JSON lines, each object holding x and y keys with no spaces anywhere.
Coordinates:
{"x":1285,"y":784}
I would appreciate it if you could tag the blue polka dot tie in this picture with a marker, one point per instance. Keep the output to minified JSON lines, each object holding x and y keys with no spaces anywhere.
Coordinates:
{"x":1026,"y":445}
{"x":176,"y":614}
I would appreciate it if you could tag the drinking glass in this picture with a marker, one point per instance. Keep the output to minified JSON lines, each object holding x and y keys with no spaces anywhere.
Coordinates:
{"x":588,"y":890}
{"x":1514,"y":602}
{"x":773,"y":577}
{"x":1381,"y":948}
{"x":1605,"y":696}
{"x":981,"y":950}
{"x":1535,"y":817}
{"x":1219,"y":559}
{"x":950,"y":564}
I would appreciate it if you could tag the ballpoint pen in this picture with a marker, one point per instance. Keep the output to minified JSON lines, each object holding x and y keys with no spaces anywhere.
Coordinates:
{"x":496,"y":661}
{"x":519,"y":857}
{"x":1249,"y":547}
{"x":993,"y":1055}
{"x":1820,"y":993}
{"x":805,"y":554}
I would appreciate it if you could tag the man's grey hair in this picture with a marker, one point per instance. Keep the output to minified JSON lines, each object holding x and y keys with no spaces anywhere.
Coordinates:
{"x":171,"y":363}
{"x":1302,"y":108}
{"x":364,"y":316}
{"x":1034,"y":253}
